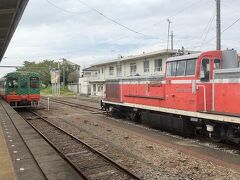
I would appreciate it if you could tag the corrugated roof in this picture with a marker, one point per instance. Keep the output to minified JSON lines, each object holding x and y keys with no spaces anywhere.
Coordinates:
{"x":139,"y":56}
{"x":10,"y":14}
{"x":144,"y":55}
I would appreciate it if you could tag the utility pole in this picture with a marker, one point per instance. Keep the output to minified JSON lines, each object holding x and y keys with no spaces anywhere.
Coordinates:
{"x":218,"y":8}
{"x":172,"y":40}
{"x":169,"y":23}
{"x":64,"y":71}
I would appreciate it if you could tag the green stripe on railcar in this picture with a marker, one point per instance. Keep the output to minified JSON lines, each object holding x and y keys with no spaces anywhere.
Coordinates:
{"x":22,"y":83}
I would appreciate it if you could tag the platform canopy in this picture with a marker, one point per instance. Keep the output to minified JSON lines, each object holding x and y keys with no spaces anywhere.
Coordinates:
{"x":10,"y":14}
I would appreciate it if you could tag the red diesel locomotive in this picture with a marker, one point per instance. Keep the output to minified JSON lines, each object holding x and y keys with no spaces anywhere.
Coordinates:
{"x":200,"y":93}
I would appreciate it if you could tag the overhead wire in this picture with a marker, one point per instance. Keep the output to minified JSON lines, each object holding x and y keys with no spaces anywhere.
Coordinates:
{"x":66,"y":11}
{"x":227,"y":28}
{"x":208,"y":24}
{"x":208,"y":30}
{"x":116,"y":22}
{"x":139,"y":32}
{"x":178,"y":12}
{"x":163,"y":19}
{"x":110,"y":19}
{"x":231,"y":25}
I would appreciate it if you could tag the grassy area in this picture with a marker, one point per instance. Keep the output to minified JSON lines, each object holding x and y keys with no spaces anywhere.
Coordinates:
{"x":48,"y":91}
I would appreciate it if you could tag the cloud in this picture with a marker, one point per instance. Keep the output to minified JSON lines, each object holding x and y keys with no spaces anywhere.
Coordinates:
{"x":83,"y":36}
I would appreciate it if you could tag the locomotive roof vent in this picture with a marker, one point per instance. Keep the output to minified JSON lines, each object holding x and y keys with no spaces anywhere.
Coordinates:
{"x":230,"y":59}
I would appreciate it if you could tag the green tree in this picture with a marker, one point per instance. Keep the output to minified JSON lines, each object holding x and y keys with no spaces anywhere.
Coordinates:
{"x":44,"y":68}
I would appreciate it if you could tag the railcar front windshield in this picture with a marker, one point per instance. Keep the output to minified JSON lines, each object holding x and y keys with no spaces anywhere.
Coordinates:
{"x":34,"y":82}
{"x":181,"y":68}
{"x":12,"y":82}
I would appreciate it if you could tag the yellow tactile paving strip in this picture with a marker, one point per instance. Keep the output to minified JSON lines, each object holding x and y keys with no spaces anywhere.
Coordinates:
{"x":6,"y":167}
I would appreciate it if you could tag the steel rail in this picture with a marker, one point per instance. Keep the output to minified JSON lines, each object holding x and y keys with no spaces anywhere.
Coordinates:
{"x":76,"y":105}
{"x":22,"y":139}
{"x":58,"y":150}
{"x":104,"y":157}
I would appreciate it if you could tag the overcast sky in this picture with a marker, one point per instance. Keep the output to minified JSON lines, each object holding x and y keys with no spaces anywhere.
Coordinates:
{"x":72,"y":29}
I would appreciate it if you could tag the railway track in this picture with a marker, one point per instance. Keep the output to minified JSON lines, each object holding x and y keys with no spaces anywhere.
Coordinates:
{"x":200,"y":138}
{"x":90,"y":163}
{"x":76,"y":105}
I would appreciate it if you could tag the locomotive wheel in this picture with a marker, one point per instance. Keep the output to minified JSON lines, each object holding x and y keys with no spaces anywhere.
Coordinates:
{"x":216,"y":134}
{"x":216,"y":138}
{"x":134,"y":116}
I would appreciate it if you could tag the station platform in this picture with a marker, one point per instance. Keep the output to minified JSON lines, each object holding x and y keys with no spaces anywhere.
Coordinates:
{"x":24,"y":154}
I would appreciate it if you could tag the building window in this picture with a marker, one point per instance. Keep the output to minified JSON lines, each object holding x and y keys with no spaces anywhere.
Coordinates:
{"x":102,"y":70}
{"x":94,"y":74}
{"x":158,"y":65}
{"x":146,"y":66}
{"x":111,"y":70}
{"x":119,"y":70}
{"x":94,"y":88}
{"x":133,"y":69}
{"x":98,"y":71}
{"x":99,"y":88}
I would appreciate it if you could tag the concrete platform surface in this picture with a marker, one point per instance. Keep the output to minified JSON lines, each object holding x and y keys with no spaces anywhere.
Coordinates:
{"x":26,"y":154}
{"x":6,"y":166}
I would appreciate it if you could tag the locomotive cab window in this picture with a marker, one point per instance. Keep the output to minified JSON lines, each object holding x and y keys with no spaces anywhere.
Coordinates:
{"x":171,"y":68}
{"x":216,"y":63}
{"x":13,"y":83}
{"x":34,"y":82}
{"x":181,"y":67}
{"x":191,"y":67}
{"x":205,"y":70}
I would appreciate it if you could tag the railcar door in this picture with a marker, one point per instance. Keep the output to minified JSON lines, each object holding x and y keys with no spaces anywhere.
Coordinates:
{"x":204,"y":87}
{"x":23,"y":89}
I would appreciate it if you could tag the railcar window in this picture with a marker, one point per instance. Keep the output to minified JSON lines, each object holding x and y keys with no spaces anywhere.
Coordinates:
{"x":181,"y":67}
{"x":216,"y":63}
{"x":13,"y":83}
{"x":205,"y":69}
{"x":191,"y":67}
{"x":171,"y":68}
{"x":34,"y":82}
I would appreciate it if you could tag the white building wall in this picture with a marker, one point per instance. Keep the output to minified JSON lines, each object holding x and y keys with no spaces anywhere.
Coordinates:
{"x":102,"y":70}
{"x":83,"y":83}
{"x":126,"y":70}
{"x":74,"y":88}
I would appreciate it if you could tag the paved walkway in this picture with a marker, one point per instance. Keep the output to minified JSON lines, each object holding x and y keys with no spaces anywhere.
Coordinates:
{"x":6,"y":166}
